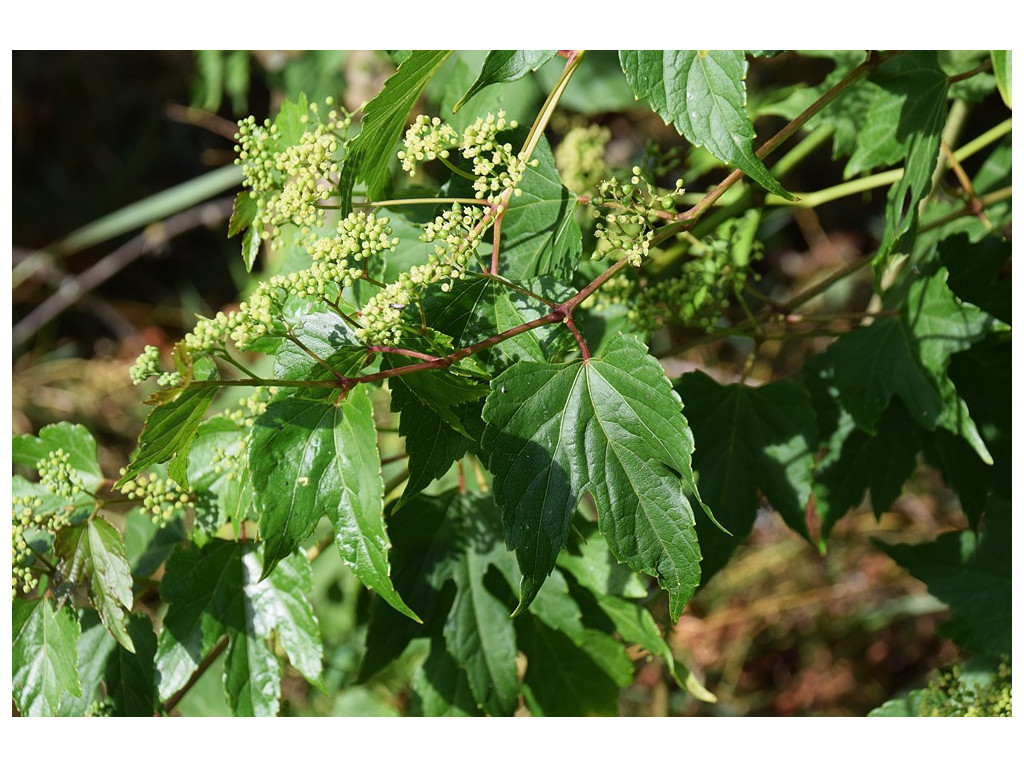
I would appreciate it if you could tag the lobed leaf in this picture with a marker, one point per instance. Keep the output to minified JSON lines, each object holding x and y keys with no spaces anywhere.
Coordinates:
{"x":749,"y":440}
{"x":610,"y":426}
{"x":702,"y":93}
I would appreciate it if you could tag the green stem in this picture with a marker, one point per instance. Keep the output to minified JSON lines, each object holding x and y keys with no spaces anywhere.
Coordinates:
{"x":416,"y":201}
{"x":537,"y":129}
{"x":456,"y":170}
{"x":856,"y":186}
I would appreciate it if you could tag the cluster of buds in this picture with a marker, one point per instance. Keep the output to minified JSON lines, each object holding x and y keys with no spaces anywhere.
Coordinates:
{"x":626,"y":231}
{"x":497,"y":167}
{"x":291,"y":183}
{"x":161,"y":497}
{"x":580,"y":157}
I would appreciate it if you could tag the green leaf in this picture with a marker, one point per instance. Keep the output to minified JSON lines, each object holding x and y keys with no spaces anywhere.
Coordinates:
{"x":311,"y":458}
{"x":1001,"y":65}
{"x":95,"y":646}
{"x":748,"y":440}
{"x":203,"y":588}
{"x":610,"y":426}
{"x":252,"y":676}
{"x":431,"y":444}
{"x":74,"y":439}
{"x":94,"y":553}
{"x":44,"y":657}
{"x":280,"y":603}
{"x":477,"y":308}
{"x":242,"y":213}
{"x":921,"y":86}
{"x":907,"y":356}
{"x":539,"y":233}
{"x":504,"y":67}
{"x":130,"y":676}
{"x":979,"y":273}
{"x":562,"y":679}
{"x":215,"y":591}
{"x":478,"y":633}
{"x":596,"y":569}
{"x":384,"y":118}
{"x":518,"y":99}
{"x":168,"y":433}
{"x":702,"y":93}
{"x":326,"y":336}
{"x":971,"y":573}
{"x":440,"y":688}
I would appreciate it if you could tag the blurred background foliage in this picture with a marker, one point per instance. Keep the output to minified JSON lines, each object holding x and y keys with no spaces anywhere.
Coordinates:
{"x":784,"y":630}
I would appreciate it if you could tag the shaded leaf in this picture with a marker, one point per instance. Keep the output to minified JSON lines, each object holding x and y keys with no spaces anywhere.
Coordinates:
{"x":440,"y":688}
{"x":702,"y":93}
{"x":44,"y":657}
{"x":971,"y":573}
{"x":95,"y":645}
{"x":611,"y":426}
{"x":504,"y":67}
{"x":749,"y":440}
{"x":130,"y":677}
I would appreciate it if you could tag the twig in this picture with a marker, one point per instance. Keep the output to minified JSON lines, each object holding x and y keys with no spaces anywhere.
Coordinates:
{"x":152,"y":237}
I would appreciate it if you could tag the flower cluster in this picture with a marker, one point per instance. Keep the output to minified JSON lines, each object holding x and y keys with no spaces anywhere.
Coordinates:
{"x":497,"y":168}
{"x":290,"y":184}
{"x":457,"y":233}
{"x":580,"y":157}
{"x":58,"y":476}
{"x":427,"y":139}
{"x":360,"y":236}
{"x":699,"y":294}
{"x":626,"y":230}
{"x":147,"y":365}
{"x":950,"y":695}
{"x":161,"y":497}
{"x":27,"y":515}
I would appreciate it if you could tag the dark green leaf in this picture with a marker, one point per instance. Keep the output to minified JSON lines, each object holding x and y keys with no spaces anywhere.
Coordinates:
{"x":504,"y":67}
{"x":702,"y":93}
{"x":971,"y":573}
{"x":74,"y":439}
{"x":384,"y":118}
{"x":539,"y":233}
{"x":93,"y":554}
{"x":440,"y":688}
{"x":203,"y":588}
{"x":920,"y":86}
{"x":907,"y":356}
{"x":147,"y":545}
{"x":431,"y":444}
{"x":748,"y":440}
{"x":130,"y":676}
{"x":478,"y":633}
{"x":519,"y":99}
{"x":611,"y":426}
{"x":168,"y":433}
{"x":44,"y":657}
{"x":314,"y":458}
{"x":980,"y":273}
{"x":561,"y":679}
